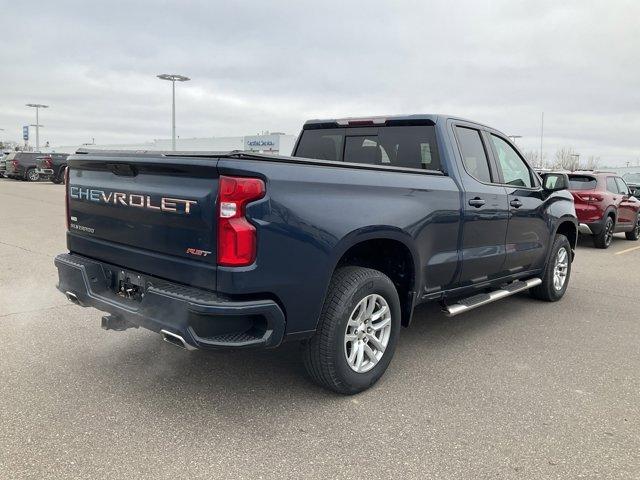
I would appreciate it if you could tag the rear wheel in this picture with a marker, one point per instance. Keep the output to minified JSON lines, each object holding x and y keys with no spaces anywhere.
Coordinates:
{"x":357,"y":332}
{"x":32,"y":175}
{"x":635,"y":233}
{"x":605,"y":237}
{"x":556,"y":276}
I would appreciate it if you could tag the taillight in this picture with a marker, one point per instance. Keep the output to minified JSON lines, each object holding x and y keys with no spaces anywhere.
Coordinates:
{"x":15,"y":163}
{"x":48,"y":163}
{"x":589,"y":197}
{"x":66,"y":198}
{"x":236,"y":236}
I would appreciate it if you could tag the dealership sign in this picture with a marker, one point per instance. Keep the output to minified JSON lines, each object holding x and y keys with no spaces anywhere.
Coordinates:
{"x":262,"y":143}
{"x":25,"y":132}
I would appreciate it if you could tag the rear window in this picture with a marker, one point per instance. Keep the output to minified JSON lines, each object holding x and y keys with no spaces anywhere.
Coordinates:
{"x":402,"y":146}
{"x":582,"y":182}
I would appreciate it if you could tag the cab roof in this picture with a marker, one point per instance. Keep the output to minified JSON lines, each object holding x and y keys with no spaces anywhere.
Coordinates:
{"x":383,"y":120}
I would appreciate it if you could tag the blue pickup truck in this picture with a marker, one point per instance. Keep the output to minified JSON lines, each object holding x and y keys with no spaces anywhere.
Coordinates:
{"x":333,"y":247}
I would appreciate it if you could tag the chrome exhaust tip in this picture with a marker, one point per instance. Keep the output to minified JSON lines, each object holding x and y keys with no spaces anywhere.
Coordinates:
{"x":72,"y":297}
{"x":175,"y":339}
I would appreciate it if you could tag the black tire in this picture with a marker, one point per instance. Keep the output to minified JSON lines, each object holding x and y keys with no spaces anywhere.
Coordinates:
{"x":635,"y":233}
{"x":547,"y":291}
{"x":32,"y":175}
{"x":61,"y":175}
{"x":325,"y":354}
{"x":605,"y":237}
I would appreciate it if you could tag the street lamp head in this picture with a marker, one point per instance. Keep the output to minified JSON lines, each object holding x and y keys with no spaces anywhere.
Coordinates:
{"x":173,"y":78}
{"x":37,"y":105}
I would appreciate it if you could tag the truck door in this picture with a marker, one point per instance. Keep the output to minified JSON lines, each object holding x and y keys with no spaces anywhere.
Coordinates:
{"x":528,"y":233}
{"x":485,"y":206}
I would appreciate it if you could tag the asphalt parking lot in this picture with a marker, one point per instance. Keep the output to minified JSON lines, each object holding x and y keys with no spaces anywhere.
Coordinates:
{"x":516,"y":389}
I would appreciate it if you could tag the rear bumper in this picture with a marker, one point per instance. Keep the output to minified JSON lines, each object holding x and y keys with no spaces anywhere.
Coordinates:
{"x":591,"y":228}
{"x":202,"y":318}
{"x":585,"y":229}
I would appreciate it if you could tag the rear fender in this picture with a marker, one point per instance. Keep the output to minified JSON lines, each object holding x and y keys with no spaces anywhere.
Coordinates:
{"x":379,"y":232}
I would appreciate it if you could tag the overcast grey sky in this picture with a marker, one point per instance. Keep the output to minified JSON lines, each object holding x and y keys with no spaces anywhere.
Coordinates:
{"x":269,"y":65}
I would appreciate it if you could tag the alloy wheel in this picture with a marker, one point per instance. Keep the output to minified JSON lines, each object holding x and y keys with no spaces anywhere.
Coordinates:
{"x":608,"y":234}
{"x":367,"y":334}
{"x":560,"y":269}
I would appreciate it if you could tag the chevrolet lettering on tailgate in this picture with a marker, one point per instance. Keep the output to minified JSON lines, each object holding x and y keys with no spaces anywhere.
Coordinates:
{"x":164,"y":204}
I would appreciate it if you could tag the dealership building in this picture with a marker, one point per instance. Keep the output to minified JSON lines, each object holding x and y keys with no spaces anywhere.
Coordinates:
{"x":275,"y":143}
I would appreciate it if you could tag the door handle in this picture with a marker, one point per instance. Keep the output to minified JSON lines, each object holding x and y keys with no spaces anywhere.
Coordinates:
{"x":515,"y":203}
{"x":476,"y":202}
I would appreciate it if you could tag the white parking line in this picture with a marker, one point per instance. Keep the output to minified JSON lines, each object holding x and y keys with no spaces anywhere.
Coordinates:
{"x":627,"y":250}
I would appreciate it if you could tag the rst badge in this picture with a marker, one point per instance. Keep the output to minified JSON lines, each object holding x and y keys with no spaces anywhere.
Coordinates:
{"x":197,"y":252}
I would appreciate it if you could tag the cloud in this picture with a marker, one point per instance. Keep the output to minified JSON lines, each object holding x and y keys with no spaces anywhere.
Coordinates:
{"x":271,"y":65}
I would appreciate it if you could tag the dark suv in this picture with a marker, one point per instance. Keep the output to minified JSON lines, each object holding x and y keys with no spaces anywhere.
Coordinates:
{"x":604,"y":206}
{"x":633,"y":181}
{"x":52,"y":166}
{"x":22,"y":166}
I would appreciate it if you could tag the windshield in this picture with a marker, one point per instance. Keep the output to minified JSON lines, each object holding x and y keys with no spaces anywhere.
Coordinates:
{"x":631,"y":177}
{"x":401,"y":146}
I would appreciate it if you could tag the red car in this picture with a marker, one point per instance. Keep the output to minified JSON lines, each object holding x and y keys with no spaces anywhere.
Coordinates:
{"x":604,"y":206}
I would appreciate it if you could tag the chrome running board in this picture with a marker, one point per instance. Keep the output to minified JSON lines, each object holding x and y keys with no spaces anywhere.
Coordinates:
{"x":483,"y":298}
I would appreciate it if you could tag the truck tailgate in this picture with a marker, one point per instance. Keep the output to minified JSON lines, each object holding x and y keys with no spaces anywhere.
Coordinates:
{"x":151,"y":213}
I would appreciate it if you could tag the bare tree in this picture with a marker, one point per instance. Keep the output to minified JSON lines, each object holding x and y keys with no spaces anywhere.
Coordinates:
{"x":533,"y":158}
{"x":566,"y":159}
{"x":592,"y":162}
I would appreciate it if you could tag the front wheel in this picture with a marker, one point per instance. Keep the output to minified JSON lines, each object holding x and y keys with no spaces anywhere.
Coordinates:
{"x":357,"y":332}
{"x":635,"y":233}
{"x":556,"y":276}
{"x":60,"y":177}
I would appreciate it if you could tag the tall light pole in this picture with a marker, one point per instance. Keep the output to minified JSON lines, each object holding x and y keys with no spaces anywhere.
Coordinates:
{"x":37,"y":106}
{"x":576,"y":157}
{"x":541,"y":137}
{"x":173,"y":79}
{"x":37,"y":126}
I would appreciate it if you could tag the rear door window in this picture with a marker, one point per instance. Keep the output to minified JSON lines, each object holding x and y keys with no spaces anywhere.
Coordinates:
{"x":582,"y":182}
{"x":611,"y":185}
{"x":474,"y":156}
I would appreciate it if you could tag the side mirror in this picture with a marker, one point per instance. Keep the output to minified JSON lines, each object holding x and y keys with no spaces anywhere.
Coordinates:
{"x":552,"y":182}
